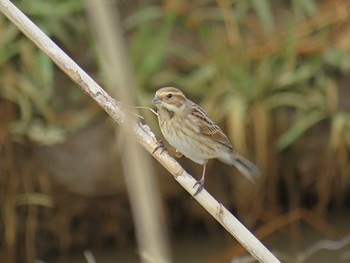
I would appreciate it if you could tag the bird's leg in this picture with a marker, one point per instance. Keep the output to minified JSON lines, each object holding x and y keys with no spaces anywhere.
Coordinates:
{"x":201,"y":181}
{"x":159,"y":146}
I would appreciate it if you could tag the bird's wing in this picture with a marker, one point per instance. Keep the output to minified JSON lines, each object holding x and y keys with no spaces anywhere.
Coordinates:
{"x":208,"y":127}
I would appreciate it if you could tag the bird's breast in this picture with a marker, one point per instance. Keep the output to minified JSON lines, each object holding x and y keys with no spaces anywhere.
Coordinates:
{"x":186,"y":139}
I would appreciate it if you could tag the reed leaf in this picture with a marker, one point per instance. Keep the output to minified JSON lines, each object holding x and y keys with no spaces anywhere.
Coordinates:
{"x":300,"y":126}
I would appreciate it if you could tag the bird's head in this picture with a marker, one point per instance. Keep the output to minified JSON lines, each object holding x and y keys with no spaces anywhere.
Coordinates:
{"x":171,"y":99}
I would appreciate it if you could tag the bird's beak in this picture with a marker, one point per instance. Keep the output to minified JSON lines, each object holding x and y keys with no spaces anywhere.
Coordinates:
{"x":156,"y":100}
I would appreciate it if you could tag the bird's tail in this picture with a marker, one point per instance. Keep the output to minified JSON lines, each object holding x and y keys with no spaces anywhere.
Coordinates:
{"x":247,"y":168}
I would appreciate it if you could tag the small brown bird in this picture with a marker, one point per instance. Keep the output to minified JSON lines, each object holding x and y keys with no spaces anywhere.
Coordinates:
{"x":188,"y":128}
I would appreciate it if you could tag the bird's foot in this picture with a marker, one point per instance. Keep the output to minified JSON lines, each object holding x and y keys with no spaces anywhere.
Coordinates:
{"x":200,"y":184}
{"x":159,"y":146}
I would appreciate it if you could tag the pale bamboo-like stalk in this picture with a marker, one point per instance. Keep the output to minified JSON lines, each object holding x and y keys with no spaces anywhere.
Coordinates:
{"x":142,"y":133}
{"x":153,"y":245}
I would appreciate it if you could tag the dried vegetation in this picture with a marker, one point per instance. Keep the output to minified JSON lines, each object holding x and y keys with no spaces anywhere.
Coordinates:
{"x":274,"y":74}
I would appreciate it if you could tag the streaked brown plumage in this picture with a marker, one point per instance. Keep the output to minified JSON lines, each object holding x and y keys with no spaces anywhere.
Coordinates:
{"x":188,"y":128}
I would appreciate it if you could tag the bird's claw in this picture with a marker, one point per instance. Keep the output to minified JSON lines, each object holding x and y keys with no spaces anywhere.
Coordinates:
{"x":200,"y":184}
{"x":159,"y":146}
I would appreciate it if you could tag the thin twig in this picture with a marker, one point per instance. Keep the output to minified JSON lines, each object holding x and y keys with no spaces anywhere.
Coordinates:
{"x":147,"y":108}
{"x":323,"y":244}
{"x":147,"y":140}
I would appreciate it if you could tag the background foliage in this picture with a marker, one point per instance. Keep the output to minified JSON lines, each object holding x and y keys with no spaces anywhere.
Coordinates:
{"x":274,"y":74}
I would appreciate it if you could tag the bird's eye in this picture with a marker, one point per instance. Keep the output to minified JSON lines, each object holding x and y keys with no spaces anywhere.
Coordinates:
{"x":169,"y":96}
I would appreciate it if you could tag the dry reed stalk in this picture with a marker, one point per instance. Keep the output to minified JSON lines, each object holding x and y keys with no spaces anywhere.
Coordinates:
{"x":274,"y":224}
{"x":9,"y":178}
{"x":153,"y":244}
{"x":142,"y":133}
{"x":331,"y":13}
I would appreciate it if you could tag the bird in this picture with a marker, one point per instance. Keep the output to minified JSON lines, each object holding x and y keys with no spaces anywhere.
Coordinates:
{"x":188,"y":128}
